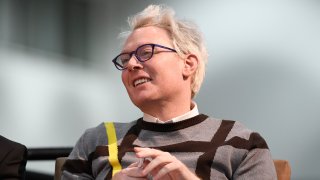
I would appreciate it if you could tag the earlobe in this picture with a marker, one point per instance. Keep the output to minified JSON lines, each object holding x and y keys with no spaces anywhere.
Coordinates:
{"x":190,"y":65}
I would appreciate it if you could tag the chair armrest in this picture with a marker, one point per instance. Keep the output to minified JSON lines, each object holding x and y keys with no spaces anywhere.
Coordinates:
{"x":59,"y":163}
{"x":283,"y":169}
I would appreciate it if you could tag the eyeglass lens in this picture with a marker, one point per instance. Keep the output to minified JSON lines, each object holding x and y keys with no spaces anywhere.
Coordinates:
{"x":142,"y":53}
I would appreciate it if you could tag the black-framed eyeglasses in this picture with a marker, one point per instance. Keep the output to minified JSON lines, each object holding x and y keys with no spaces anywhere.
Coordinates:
{"x":142,"y":53}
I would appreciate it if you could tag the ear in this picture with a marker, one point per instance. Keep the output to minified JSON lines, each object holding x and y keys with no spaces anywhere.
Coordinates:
{"x":190,"y":65}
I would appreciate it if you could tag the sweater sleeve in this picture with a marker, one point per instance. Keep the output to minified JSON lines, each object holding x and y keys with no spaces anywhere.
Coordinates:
{"x":79,"y":163}
{"x":258,"y":163}
{"x":89,"y":157}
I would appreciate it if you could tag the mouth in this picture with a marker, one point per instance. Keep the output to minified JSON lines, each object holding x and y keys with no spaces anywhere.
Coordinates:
{"x":140,"y":81}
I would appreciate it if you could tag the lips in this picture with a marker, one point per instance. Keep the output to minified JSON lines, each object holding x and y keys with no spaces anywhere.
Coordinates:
{"x":140,"y":81}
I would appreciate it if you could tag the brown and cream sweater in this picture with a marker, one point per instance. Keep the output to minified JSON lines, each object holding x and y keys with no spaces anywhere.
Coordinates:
{"x":211,"y":148}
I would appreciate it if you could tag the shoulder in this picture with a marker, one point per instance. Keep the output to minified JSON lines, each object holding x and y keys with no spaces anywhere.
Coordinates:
{"x":95,"y":136}
{"x":11,"y":146}
{"x":13,"y":158}
{"x":7,"y":142}
{"x":237,"y":134}
{"x":245,"y":137}
{"x":100,"y":130}
{"x":238,"y":130}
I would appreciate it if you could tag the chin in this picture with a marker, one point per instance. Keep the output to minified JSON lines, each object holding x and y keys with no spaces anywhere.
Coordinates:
{"x":138,"y":104}
{"x":141,"y":102}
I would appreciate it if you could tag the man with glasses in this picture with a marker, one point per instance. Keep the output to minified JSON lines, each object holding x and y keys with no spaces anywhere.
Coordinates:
{"x":162,"y":66}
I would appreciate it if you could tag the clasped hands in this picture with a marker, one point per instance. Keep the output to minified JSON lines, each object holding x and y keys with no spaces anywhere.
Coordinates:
{"x":156,"y":165}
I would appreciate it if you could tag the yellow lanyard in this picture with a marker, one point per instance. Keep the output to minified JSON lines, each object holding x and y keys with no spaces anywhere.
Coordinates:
{"x":113,"y":147}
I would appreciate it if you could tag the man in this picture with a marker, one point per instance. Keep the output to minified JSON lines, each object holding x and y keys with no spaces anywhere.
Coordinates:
{"x":13,"y":159}
{"x":162,"y":64}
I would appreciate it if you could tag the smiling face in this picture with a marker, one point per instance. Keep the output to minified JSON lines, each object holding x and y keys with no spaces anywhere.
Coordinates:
{"x":159,"y":80}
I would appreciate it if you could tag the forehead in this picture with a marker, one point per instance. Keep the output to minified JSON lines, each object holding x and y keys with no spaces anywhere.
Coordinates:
{"x":144,"y":35}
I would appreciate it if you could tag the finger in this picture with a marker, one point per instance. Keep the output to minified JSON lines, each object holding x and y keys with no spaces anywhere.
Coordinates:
{"x":165,"y":170}
{"x":133,"y":172}
{"x":145,"y":162}
{"x":135,"y":164}
{"x":147,"y":152}
{"x":155,"y":171}
{"x":158,"y":162}
{"x":141,"y":149}
{"x":140,"y":162}
{"x":122,"y":176}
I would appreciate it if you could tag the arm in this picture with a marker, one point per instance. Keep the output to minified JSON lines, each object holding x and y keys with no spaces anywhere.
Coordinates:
{"x":162,"y":165}
{"x":77,"y":166}
{"x":258,"y":164}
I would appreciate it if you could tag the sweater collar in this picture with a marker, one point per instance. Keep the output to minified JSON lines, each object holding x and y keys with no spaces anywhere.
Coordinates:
{"x":167,"y":127}
{"x":192,"y":113}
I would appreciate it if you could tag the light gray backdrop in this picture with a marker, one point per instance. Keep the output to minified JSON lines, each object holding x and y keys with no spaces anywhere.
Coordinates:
{"x":57,"y":79}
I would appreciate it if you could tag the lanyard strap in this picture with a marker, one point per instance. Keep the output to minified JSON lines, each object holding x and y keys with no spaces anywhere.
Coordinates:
{"x":112,"y":147}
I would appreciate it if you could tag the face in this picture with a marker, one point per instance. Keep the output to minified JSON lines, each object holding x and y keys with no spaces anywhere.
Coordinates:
{"x":157,"y":80}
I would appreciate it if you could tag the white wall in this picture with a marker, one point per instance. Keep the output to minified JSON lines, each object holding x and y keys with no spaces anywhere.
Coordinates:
{"x":263,"y":70}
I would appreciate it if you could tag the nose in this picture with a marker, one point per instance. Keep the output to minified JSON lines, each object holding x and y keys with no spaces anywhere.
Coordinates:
{"x":134,"y":63}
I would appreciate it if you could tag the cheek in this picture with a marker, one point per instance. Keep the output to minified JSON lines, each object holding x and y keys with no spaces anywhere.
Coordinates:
{"x":124,"y":78}
{"x":175,"y":69}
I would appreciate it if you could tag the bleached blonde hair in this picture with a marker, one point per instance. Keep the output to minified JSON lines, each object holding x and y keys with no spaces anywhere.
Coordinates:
{"x":185,"y":36}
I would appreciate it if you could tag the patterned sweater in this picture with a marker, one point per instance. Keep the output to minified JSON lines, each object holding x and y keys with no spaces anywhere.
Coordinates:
{"x":211,"y":148}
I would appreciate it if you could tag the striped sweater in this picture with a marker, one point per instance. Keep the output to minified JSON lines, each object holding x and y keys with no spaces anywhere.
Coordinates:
{"x":211,"y":148}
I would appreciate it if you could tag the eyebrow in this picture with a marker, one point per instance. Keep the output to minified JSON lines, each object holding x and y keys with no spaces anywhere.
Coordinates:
{"x":139,"y":44}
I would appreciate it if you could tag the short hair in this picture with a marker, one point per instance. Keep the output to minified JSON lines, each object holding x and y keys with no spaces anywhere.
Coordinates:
{"x":185,"y":36}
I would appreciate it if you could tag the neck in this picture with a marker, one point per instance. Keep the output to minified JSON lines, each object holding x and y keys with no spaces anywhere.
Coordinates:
{"x":167,"y":110}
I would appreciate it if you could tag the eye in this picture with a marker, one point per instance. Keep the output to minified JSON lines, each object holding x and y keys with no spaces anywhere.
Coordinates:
{"x":145,"y":52}
{"x":124,"y":59}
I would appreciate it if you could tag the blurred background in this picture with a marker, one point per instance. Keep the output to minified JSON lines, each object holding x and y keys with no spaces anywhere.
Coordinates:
{"x":57,"y":79}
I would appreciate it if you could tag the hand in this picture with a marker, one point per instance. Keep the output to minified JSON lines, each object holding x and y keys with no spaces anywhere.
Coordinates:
{"x":132,"y":172}
{"x":163,"y":165}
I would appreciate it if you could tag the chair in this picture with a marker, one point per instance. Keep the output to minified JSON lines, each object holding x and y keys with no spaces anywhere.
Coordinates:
{"x":282,"y":167}
{"x":59,"y":163}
